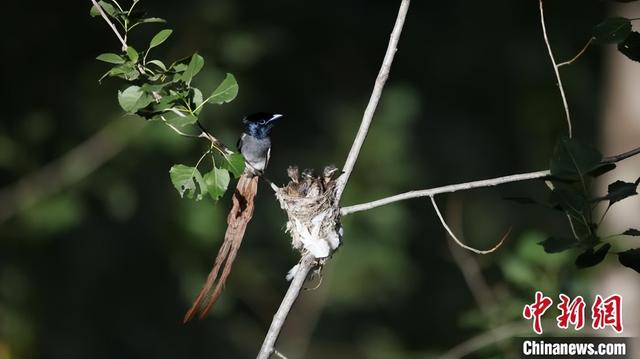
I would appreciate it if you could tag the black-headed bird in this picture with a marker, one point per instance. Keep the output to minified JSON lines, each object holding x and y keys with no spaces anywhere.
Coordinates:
{"x":255,"y":146}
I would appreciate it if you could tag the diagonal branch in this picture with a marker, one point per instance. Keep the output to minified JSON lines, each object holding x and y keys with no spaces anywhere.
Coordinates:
{"x":304,"y":267}
{"x":555,"y":69}
{"x":308,"y":262}
{"x":383,"y":74}
{"x":113,"y":27}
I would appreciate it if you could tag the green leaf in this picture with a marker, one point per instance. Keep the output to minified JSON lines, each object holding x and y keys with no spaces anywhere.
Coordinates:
{"x":631,"y":232}
{"x":152,"y":20}
{"x":196,"y":98}
{"x":111,"y":58}
{"x":630,"y":47}
{"x":590,"y":258}
{"x":572,"y":160}
{"x":132,"y":53}
{"x":234,"y":163}
{"x":178,"y":118}
{"x":188,"y":181}
{"x":620,"y":190}
{"x":158,"y":63}
{"x":612,"y":31}
{"x":225,"y":92}
{"x":217,"y":182}
{"x":630,"y":259}
{"x":108,"y":8}
{"x":568,"y":200}
{"x":128,"y":99}
{"x":195,"y":65}
{"x":557,"y":245}
{"x":160,"y":37}
{"x":602,"y":169}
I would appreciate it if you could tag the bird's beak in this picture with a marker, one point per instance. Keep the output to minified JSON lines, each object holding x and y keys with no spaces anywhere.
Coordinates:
{"x":276,"y":116}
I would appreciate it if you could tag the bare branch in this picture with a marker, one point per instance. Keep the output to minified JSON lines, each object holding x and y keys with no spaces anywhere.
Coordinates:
{"x":555,"y":69}
{"x":469,"y":185}
{"x":308,"y":261}
{"x":622,"y":156}
{"x":575,"y":58}
{"x":304,"y":267}
{"x":383,"y":74}
{"x":444,"y":189}
{"x":444,"y":224}
{"x":113,"y":27}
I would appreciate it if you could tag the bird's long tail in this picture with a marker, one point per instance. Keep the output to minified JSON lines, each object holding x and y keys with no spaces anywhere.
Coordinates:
{"x":239,"y":216}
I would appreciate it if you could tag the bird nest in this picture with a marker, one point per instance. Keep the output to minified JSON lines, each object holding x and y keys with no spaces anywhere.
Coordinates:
{"x":312,"y":211}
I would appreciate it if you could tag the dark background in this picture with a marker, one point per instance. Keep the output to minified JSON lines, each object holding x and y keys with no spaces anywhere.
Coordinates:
{"x":106,"y":265}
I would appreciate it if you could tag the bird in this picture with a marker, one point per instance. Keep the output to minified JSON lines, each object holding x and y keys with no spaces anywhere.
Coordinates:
{"x":255,"y":145}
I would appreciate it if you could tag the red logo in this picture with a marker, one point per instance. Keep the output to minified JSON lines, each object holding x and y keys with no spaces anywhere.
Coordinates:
{"x":604,"y":312}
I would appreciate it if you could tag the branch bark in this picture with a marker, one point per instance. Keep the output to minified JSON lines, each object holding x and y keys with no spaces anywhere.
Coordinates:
{"x":369,"y":111}
{"x":555,"y":69}
{"x":304,"y":267}
{"x":308,"y":262}
{"x":113,"y":27}
{"x":444,"y":189}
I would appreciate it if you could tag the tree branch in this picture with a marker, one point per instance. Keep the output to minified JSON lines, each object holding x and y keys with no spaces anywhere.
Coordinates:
{"x":444,"y":189}
{"x":584,"y":49}
{"x":469,"y":185}
{"x":113,"y":27}
{"x":304,"y":267}
{"x":308,"y":261}
{"x":555,"y":69}
{"x":383,"y":74}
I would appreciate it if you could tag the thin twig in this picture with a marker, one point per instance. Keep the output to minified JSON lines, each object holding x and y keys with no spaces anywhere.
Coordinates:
{"x":474,"y":250}
{"x":444,"y":189}
{"x":622,"y":156}
{"x":555,"y":69}
{"x":306,"y":264}
{"x":383,"y":74}
{"x":584,"y":49}
{"x":470,"y":185}
{"x":113,"y":27}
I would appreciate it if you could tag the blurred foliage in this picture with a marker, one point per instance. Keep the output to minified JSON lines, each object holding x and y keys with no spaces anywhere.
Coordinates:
{"x":106,"y":266}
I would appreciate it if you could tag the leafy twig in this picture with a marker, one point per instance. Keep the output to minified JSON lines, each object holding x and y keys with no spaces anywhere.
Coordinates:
{"x":113,"y":27}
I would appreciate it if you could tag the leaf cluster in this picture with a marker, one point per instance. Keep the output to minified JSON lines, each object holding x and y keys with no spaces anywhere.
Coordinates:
{"x":573,"y":167}
{"x":618,"y":31}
